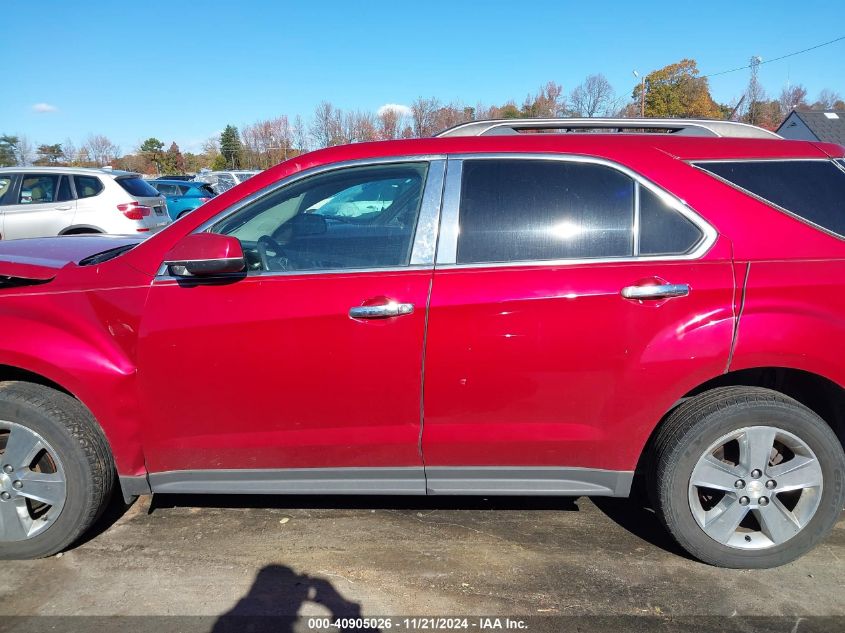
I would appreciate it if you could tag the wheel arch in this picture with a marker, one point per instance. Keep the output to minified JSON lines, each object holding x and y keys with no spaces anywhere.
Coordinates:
{"x":821,"y":394}
{"x":81,"y":229}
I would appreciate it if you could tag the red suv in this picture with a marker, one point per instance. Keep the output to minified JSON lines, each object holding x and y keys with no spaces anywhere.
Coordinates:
{"x":489,"y":312}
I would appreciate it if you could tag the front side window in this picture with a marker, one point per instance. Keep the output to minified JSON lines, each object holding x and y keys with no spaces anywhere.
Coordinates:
{"x":39,"y":188}
{"x":531,"y":210}
{"x":358,"y":217}
{"x":814,"y":190}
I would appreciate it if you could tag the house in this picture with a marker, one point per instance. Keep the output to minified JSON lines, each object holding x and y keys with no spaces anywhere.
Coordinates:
{"x":827,"y":126}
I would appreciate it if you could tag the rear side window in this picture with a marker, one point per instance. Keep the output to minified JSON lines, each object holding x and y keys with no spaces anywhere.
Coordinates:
{"x":87,"y":186}
{"x":663,"y":230}
{"x":137,"y":187}
{"x":814,"y":190}
{"x":529,"y":210}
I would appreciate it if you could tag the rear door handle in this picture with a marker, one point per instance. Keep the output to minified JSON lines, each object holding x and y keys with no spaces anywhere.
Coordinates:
{"x":64,"y":207}
{"x":651,"y":291}
{"x":381,"y":311}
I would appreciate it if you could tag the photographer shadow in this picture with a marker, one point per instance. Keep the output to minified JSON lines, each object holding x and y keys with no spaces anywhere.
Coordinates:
{"x":275,"y":598}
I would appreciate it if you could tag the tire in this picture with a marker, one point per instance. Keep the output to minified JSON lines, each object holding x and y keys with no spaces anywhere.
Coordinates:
{"x":737,"y":420}
{"x":68,"y":444}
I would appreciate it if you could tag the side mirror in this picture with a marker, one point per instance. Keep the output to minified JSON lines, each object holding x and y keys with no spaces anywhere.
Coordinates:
{"x":205,"y":255}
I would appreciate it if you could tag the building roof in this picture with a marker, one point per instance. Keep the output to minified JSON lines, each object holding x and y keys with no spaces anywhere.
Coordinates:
{"x":827,"y":125}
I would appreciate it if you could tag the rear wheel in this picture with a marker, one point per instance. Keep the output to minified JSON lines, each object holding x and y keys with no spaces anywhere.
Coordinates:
{"x":747,"y":477}
{"x":56,"y":471}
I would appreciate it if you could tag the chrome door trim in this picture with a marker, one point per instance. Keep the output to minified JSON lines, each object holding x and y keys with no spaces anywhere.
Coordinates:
{"x":450,"y":222}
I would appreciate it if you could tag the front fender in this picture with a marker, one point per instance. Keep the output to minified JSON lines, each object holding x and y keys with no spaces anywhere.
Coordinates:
{"x":84,"y":341}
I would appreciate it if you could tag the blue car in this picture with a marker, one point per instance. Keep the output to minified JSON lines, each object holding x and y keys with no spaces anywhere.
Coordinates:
{"x":183,"y":196}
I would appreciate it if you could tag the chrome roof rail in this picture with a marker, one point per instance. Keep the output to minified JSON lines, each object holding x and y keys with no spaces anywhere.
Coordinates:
{"x":684,"y":127}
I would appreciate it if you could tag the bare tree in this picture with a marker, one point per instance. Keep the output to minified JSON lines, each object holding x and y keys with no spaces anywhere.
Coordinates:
{"x":422,"y":116}
{"x":390,"y":122}
{"x":326,"y":127}
{"x":101,"y":150}
{"x":828,"y":100}
{"x":451,"y":115}
{"x":26,"y":152}
{"x":358,"y":126}
{"x":792,"y":98}
{"x":548,"y":103}
{"x":267,"y":142}
{"x":594,"y":97}
{"x":300,"y":136}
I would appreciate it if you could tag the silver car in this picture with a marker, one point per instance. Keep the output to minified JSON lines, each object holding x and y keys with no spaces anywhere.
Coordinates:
{"x":221,"y":181}
{"x":46,"y":201}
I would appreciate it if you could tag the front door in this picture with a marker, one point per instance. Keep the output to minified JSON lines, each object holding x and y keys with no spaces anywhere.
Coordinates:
{"x":311,"y":360}
{"x":43,"y":206}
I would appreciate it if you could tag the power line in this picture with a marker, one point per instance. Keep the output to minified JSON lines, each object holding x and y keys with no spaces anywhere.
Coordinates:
{"x":769,"y":61}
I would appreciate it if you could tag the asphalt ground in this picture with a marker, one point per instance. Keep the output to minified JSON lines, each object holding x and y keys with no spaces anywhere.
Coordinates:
{"x":276,"y":563}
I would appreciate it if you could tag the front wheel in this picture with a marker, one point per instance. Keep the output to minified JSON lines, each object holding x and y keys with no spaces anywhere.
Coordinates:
{"x":746,"y":477}
{"x":56,"y":471}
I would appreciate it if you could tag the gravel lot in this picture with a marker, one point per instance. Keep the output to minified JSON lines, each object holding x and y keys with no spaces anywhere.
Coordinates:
{"x":215,"y":555}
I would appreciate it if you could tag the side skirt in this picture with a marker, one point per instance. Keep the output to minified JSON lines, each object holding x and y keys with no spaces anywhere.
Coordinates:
{"x":439,"y":480}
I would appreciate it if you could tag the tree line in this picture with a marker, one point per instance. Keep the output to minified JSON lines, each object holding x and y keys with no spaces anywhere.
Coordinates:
{"x":674,"y":91}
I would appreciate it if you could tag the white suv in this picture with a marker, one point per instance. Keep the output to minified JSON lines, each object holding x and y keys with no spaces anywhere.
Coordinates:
{"x":45,"y":201}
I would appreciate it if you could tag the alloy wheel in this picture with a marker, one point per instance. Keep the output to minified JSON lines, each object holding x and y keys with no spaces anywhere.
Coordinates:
{"x":755,"y":488}
{"x":33,"y":486}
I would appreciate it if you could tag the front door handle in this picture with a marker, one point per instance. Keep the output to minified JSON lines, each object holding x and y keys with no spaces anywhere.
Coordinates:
{"x":381,"y":311}
{"x":655,"y":291}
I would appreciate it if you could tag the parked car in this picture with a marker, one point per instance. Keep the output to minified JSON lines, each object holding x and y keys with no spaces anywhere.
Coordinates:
{"x":221,"y":181}
{"x":186,"y":177}
{"x":526,"y":314}
{"x":47,"y":201}
{"x":183,"y":197}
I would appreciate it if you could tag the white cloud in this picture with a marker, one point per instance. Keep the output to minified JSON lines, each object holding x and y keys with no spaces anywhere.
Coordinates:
{"x":397,"y":107}
{"x":44,"y":107}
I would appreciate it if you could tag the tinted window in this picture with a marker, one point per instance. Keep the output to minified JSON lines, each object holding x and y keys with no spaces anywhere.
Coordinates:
{"x":811,"y":189}
{"x":5,"y":186}
{"x":39,"y":188}
{"x":663,"y":230}
{"x":64,"y":190}
{"x":138,"y":187}
{"x":519,"y":210}
{"x":167,"y":189}
{"x":287,"y":231}
{"x":87,"y":186}
{"x":206,"y":191}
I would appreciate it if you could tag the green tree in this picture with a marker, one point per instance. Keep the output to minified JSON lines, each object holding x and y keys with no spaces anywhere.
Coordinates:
{"x":49,"y":154}
{"x":151,"y":149}
{"x":230,"y":147}
{"x":219,"y":163}
{"x":173,"y":161}
{"x":8,"y":150}
{"x":676,"y":91}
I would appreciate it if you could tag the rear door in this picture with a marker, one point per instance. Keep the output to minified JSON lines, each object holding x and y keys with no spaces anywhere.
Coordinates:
{"x":42,"y":206}
{"x":573,"y":304}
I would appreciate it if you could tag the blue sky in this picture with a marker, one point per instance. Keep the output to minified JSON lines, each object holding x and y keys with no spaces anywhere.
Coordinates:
{"x":182,"y":70}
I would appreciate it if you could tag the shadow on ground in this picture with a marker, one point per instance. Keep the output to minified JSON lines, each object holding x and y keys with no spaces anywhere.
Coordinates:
{"x":275,"y":598}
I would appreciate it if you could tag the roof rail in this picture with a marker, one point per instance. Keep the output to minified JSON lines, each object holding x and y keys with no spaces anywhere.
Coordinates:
{"x":684,"y":127}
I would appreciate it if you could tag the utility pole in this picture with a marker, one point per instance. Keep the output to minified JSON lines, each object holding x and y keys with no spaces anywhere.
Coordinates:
{"x":642,"y":94}
{"x":753,"y":89}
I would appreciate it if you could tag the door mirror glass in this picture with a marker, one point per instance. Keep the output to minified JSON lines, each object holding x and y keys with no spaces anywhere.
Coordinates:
{"x":205,"y":255}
